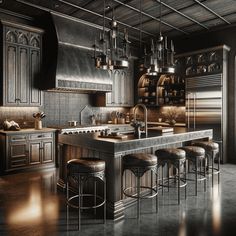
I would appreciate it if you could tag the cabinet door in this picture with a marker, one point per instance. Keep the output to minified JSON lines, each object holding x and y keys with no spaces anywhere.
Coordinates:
{"x":115,"y":89}
{"x":18,"y":155}
{"x":129,"y":86}
{"x":35,"y":65}
{"x":21,"y":66}
{"x":47,"y":151}
{"x":23,"y":82}
{"x":34,"y":152}
{"x":122,"y":89}
{"x":10,"y":75}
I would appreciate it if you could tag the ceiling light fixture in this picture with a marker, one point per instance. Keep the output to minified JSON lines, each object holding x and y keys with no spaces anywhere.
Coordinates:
{"x":161,"y":58}
{"x":112,"y":51}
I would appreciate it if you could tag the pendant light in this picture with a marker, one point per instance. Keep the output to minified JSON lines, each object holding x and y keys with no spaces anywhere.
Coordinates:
{"x":113,"y":47}
{"x":102,"y":59}
{"x":162,"y":54}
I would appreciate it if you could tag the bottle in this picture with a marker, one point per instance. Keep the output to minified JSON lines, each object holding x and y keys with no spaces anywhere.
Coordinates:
{"x":127,"y":118}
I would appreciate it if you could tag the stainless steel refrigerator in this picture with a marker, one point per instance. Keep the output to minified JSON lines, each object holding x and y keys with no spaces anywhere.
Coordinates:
{"x":204,"y":107}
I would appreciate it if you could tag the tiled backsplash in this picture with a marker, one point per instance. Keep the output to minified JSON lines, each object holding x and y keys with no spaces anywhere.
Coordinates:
{"x":62,"y":107}
{"x":59,"y":109}
{"x":155,"y":114}
{"x":21,"y":115}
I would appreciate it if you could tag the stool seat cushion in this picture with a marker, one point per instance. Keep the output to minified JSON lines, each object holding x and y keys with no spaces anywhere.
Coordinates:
{"x":86,"y":165}
{"x":207,"y":145}
{"x":139,"y":160}
{"x":194,"y":152}
{"x":170,"y":154}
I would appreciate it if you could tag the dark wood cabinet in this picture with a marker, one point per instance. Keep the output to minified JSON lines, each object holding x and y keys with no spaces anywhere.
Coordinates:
{"x":41,"y":148}
{"x":24,"y":150}
{"x":18,"y":152}
{"x":21,"y":65}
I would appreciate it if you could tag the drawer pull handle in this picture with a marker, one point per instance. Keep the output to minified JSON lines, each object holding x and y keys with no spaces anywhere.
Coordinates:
{"x":18,"y":139}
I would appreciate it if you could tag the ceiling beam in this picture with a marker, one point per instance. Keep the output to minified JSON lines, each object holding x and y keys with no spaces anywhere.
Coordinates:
{"x":107,"y":18}
{"x":213,"y":12}
{"x":150,"y":16}
{"x":97,"y":14}
{"x":182,"y":14}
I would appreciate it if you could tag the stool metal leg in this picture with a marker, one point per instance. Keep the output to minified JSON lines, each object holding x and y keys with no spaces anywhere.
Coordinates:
{"x":196,"y":175}
{"x":178,"y":169}
{"x":67,"y":206}
{"x":168,"y":176}
{"x":219,"y":167}
{"x":162,"y":179}
{"x":104,"y":207}
{"x":185,"y":178}
{"x":157,"y":190}
{"x":212,"y":167}
{"x":151,"y":182}
{"x":204,"y":168}
{"x":79,"y":204}
{"x":138,"y":197}
{"x":95,"y":195}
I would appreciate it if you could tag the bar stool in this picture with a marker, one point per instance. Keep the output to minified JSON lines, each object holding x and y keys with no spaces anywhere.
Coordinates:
{"x":139,"y":164}
{"x":196,"y":155}
{"x":212,"y":152}
{"x":80,"y":171}
{"x":175,"y":157}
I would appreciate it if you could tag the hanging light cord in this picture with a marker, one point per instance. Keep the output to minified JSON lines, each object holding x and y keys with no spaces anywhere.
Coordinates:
{"x":160,"y":18}
{"x":104,"y":11}
{"x":141,"y":25}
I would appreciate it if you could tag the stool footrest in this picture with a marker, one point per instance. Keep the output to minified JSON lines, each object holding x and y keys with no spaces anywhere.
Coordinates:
{"x":171,"y":179}
{"x":142,"y":197}
{"x":84,"y":207}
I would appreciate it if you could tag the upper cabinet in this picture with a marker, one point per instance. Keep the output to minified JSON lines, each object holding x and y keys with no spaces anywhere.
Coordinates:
{"x":21,"y":65}
{"x":202,"y":62}
{"x":122,"y":94}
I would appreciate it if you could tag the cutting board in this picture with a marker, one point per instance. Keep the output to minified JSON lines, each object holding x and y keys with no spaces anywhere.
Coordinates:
{"x":120,"y":136}
{"x":161,"y":129}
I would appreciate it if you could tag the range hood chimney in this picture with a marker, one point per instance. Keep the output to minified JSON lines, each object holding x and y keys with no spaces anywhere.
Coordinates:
{"x":68,"y":57}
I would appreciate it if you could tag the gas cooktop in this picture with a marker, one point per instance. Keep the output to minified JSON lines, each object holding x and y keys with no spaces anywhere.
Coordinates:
{"x":80,"y":129}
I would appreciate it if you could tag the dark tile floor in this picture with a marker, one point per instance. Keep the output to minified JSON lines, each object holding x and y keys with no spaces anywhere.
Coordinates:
{"x":30,"y":205}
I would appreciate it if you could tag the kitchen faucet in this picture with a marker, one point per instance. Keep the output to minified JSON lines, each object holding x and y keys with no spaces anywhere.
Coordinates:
{"x":145,"y":116}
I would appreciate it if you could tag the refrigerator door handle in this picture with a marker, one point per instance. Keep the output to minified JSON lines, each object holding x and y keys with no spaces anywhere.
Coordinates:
{"x":188,"y":110}
{"x":194,"y":111}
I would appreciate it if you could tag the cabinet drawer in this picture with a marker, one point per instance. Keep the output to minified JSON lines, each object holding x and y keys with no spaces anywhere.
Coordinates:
{"x":18,"y":138}
{"x":40,"y":136}
{"x":18,"y":162}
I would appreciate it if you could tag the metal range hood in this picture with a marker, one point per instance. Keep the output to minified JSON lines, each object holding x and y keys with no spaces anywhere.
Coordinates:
{"x":68,"y":58}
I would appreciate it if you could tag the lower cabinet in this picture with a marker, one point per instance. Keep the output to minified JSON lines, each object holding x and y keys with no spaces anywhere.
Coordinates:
{"x":27,"y":150}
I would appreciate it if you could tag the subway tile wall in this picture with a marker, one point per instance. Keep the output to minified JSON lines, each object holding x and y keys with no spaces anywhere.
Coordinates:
{"x":62,"y":107}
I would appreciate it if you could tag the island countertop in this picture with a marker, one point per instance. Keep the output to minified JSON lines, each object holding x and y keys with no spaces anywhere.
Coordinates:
{"x":114,"y":145}
{"x":112,"y":150}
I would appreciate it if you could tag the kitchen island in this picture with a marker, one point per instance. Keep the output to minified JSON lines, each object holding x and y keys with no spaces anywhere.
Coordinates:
{"x":111,"y":150}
